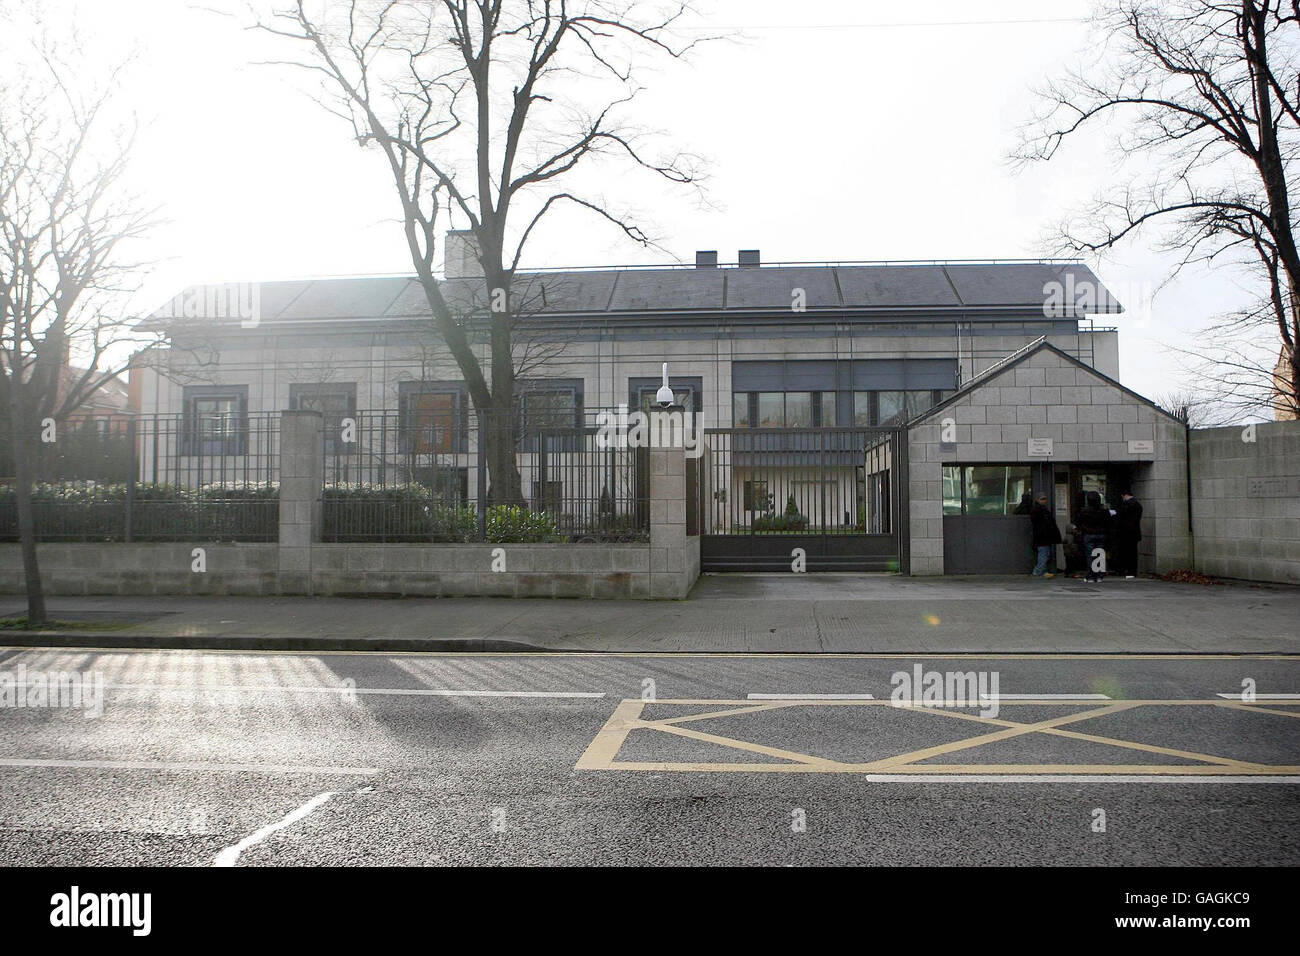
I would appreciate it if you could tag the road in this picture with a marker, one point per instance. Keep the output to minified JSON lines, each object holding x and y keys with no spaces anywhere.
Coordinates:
{"x":231,"y":758}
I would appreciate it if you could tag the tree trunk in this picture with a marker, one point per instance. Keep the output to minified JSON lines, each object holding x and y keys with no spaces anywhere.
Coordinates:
{"x":505,"y":483}
{"x":24,"y":461}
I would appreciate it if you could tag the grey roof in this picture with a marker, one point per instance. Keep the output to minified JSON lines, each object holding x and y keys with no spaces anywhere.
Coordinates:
{"x":972,"y":288}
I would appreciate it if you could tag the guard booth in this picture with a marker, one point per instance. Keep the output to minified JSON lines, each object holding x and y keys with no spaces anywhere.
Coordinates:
{"x":833,"y":494}
{"x":1040,"y":421}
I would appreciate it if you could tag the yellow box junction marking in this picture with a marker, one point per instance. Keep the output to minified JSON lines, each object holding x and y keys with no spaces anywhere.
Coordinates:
{"x":602,"y":753}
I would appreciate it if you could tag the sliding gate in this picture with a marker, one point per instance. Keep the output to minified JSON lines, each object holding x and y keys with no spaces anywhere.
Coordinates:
{"x":837,"y":494}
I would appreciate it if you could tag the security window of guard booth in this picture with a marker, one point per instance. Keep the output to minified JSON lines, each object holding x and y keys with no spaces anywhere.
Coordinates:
{"x":985,"y":489}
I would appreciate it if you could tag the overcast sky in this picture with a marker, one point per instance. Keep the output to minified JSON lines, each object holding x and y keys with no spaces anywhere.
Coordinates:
{"x":833,"y":129}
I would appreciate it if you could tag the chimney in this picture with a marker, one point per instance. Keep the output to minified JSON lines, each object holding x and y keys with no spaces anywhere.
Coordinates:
{"x":749,"y":258}
{"x":706,"y":259}
{"x":460,"y":255}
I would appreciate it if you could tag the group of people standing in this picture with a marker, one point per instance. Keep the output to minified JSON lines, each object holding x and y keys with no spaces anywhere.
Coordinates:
{"x":1096,"y":528}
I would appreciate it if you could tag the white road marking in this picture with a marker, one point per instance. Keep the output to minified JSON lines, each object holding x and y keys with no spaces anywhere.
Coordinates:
{"x":665,"y":655}
{"x":185,"y":765}
{"x":810,"y":697}
{"x":1072,"y":778}
{"x":1044,"y":697}
{"x":230,"y":855}
{"x":934,"y":703}
{"x":380,"y":691}
{"x":1244,"y":699}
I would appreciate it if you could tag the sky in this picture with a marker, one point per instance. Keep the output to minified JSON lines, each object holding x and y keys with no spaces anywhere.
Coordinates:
{"x":830,"y":130}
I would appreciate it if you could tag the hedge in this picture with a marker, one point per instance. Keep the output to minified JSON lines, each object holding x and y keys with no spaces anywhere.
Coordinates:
{"x":91,"y":511}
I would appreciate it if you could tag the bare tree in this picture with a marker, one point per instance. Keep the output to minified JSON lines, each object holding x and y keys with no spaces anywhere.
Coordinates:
{"x":1195,"y":409}
{"x":65,"y":225}
{"x":1207,"y":90}
{"x":483,"y":111}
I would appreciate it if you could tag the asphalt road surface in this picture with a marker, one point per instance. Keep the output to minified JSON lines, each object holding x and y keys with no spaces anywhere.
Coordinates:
{"x":210,"y":758}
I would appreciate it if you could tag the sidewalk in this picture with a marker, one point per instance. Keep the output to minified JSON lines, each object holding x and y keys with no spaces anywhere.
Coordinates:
{"x":814,"y":613}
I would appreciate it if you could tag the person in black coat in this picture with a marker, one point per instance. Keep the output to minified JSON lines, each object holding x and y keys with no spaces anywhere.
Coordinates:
{"x":1046,"y":535}
{"x":1128,"y":532}
{"x":1093,"y":521}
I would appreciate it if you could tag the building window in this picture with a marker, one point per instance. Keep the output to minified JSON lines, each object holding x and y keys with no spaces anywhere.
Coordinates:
{"x":431,"y":423}
{"x":756,"y":497}
{"x":952,"y":489}
{"x":334,"y":401}
{"x":432,"y":418}
{"x":545,"y":409}
{"x":552,"y":408}
{"x":985,"y":489}
{"x":863,"y":416}
{"x":683,"y":395}
{"x":215,"y":420}
{"x":825,"y":409}
{"x":771,"y":409}
{"x":892,"y":407}
{"x":740,"y":417}
{"x":783,"y":409}
{"x":798,"y":410}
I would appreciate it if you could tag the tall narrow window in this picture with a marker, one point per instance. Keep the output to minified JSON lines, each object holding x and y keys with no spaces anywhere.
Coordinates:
{"x":862,"y":413}
{"x":826,"y":410}
{"x":771,"y":409}
{"x":335,"y":402}
{"x":952,"y":489}
{"x":552,"y":408}
{"x":215,"y":420}
{"x":798,"y":409}
{"x":432,"y":418}
{"x":431,"y":423}
{"x":740,"y":410}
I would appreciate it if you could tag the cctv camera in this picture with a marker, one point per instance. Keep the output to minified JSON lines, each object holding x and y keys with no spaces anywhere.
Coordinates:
{"x":664,"y":397}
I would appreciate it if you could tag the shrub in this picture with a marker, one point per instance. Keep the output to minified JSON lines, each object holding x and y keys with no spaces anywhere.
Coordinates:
{"x":413,"y":513}
{"x":364,"y":512}
{"x":511,"y":524}
{"x":791,"y":520}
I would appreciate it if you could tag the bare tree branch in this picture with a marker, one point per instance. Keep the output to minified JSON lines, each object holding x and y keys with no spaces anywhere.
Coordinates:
{"x":1207,"y":94}
{"x":487,"y":112}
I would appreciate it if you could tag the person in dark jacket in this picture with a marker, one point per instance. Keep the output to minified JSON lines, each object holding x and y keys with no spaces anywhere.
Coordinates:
{"x":1128,"y":532}
{"x":1046,"y":536}
{"x":1093,"y":521}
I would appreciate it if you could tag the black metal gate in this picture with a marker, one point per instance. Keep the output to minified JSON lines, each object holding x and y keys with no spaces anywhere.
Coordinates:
{"x":832,"y":498}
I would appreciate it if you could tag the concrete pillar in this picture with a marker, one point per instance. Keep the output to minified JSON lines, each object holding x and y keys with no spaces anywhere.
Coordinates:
{"x":302,"y":452}
{"x":674,"y":557}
